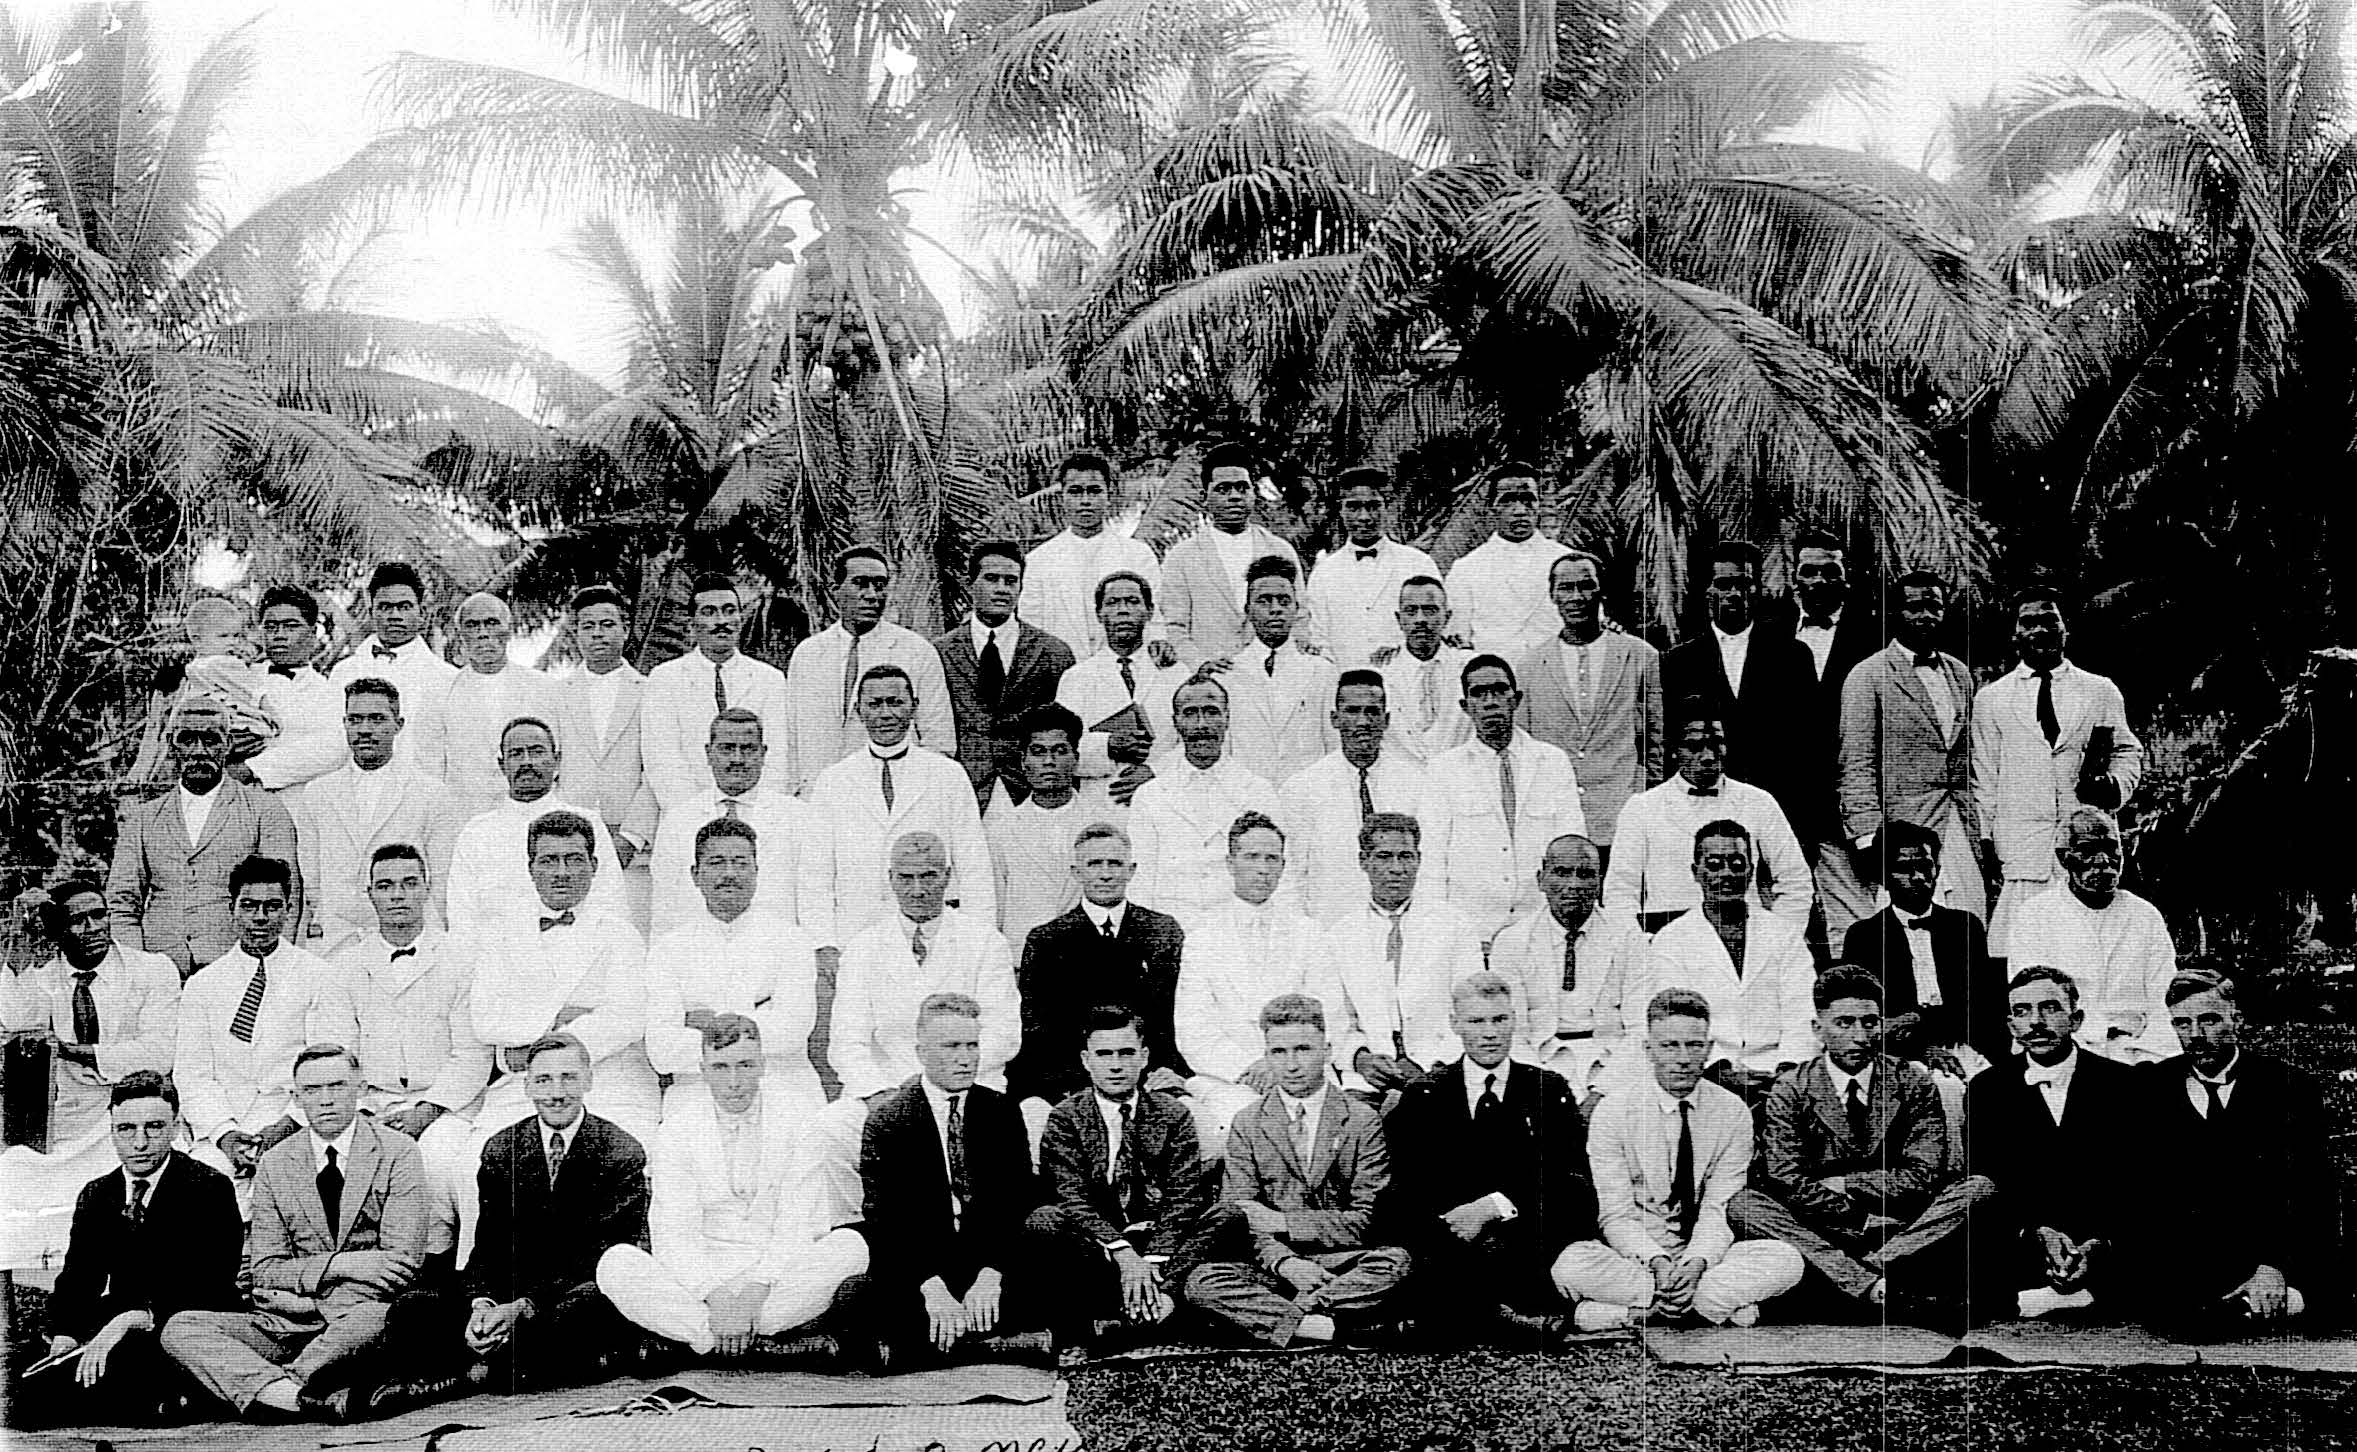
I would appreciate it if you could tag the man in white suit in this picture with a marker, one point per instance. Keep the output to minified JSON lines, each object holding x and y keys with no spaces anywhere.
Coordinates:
{"x":744,"y":1249}
{"x":887,"y":789}
{"x":1278,"y":693}
{"x":343,"y":817}
{"x":1324,"y":805}
{"x":823,"y":677}
{"x":1250,"y":949}
{"x":1595,"y":695}
{"x":1420,"y":676}
{"x":1353,"y":593}
{"x":737,"y":784}
{"x":598,"y":725}
{"x":683,"y":695}
{"x":1577,"y":973}
{"x":1122,"y":693}
{"x":461,"y":739}
{"x":1393,"y":965}
{"x":1062,"y":576}
{"x":1203,"y":575}
{"x":2115,"y":946}
{"x":1492,"y":805}
{"x":1499,"y":587}
{"x":490,"y":864}
{"x":1753,"y":968}
{"x":1178,"y":822}
{"x":2032,"y":732}
{"x":397,"y":650}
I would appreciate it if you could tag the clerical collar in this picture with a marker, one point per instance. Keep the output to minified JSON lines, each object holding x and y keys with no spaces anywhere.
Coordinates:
{"x":892,"y":753}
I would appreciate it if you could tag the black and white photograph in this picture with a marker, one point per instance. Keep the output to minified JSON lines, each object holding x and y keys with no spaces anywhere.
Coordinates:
{"x":1178,"y":725}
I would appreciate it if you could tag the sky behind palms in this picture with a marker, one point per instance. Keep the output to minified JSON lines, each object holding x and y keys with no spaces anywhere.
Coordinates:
{"x":307,"y":110}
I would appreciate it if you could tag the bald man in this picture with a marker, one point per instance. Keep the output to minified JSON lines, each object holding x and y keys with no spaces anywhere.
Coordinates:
{"x":459,"y":738}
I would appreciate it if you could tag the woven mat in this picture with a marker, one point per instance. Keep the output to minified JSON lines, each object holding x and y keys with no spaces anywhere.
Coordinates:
{"x":1799,"y":1345}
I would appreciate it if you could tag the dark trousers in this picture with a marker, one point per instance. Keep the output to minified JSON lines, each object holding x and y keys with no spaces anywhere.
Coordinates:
{"x":574,"y":1336}
{"x":142,"y":1387}
{"x":894,"y":1311}
{"x":1457,"y":1283}
{"x":1081,"y":1285}
{"x":1924,"y":1252}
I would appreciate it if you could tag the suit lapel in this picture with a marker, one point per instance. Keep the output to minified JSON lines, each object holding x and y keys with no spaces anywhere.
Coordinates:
{"x":1321,"y":1151}
{"x":1911,"y":686}
{"x":225,"y":801}
{"x":1831,"y":1112}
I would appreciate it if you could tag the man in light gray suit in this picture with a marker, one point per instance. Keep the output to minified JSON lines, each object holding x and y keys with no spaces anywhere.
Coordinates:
{"x":1906,"y":756}
{"x":168,"y":891}
{"x":1596,"y":695}
{"x":372,"y":800}
{"x":597,"y":728}
{"x":1203,"y":575}
{"x":338,"y":1231}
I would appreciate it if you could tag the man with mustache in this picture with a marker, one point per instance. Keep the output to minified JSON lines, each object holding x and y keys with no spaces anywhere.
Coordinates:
{"x":461,"y":739}
{"x":2114,"y":944}
{"x":490,"y":881}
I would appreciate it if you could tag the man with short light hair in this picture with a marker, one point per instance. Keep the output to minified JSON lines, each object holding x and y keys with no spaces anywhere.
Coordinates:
{"x":685,"y":693}
{"x":1669,"y":1152}
{"x":2114,"y":944}
{"x":462,"y":739}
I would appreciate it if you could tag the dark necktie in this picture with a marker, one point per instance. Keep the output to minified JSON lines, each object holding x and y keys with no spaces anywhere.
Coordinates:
{"x":331,"y":1193}
{"x":1125,"y":1164}
{"x":556,"y":1155}
{"x":138,"y":1210}
{"x":1682,"y":1173}
{"x":561,"y":920}
{"x":85,"y":1007}
{"x":990,"y":681}
{"x":1571,"y":960}
{"x":1487,"y":1105}
{"x":1106,"y":928}
{"x":886,"y":762}
{"x":1269,"y":667}
{"x":959,"y":1184}
{"x":2217,"y":1101}
{"x":719,"y":687}
{"x":1366,"y":554}
{"x":249,"y":1008}
{"x":383,"y":651}
{"x":1861,"y":1128}
{"x":1366,"y":796}
{"x":2048,"y":722}
{"x":1129,"y":679}
{"x":917,"y":947}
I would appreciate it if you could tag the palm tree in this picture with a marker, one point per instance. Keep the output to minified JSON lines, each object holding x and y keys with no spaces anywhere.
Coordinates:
{"x":1587,"y":248}
{"x":827,"y":109}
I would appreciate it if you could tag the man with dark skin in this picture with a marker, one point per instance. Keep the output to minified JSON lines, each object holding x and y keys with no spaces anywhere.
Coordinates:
{"x":1758,"y":681}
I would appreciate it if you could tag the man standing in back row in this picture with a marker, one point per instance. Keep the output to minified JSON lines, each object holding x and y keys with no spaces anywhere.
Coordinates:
{"x":683,"y":695}
{"x":1203,"y":576}
{"x":1595,"y":695}
{"x":1353,"y":594}
{"x":1499,"y":587}
{"x":1062,"y":578}
{"x":998,"y":668}
{"x":822,"y":678}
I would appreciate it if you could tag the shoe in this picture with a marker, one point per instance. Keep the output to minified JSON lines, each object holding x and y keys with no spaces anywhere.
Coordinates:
{"x":1744,"y":1316}
{"x":1026,"y":1348}
{"x":817,"y":1352}
{"x":1523,"y":1326}
{"x":396,"y":1397}
{"x":335,"y":1406}
{"x":1597,"y":1316}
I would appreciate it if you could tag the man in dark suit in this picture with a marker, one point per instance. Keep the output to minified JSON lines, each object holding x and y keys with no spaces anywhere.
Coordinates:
{"x":997,"y":668}
{"x":1489,"y":1178}
{"x":1761,"y":682}
{"x":1940,"y":987}
{"x":2061,"y":1135}
{"x":1838,"y":630}
{"x":1133,"y":1206}
{"x":1106,"y":950}
{"x":1854,"y":1167}
{"x":158,"y":1236}
{"x":2249,"y":1231}
{"x":946,"y":1169}
{"x":557,"y":1191}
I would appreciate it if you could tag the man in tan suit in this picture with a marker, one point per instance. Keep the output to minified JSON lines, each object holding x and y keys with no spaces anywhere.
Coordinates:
{"x":1203,"y":575}
{"x":373,"y":800}
{"x":338,"y":1230}
{"x":597,"y":727}
{"x":168,"y":890}
{"x":1596,"y":695}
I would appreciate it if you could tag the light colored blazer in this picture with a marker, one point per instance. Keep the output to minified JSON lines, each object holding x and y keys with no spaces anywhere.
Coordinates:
{"x":1202,"y":603}
{"x":1328,"y":1203}
{"x":2022,"y":786}
{"x":336,"y":842}
{"x":608,"y":774}
{"x":1618,"y":748}
{"x":171,"y":896}
{"x":930,"y":793}
{"x":703,"y":1234}
{"x":1895,"y":763}
{"x":1279,"y":724}
{"x":288,"y":1243}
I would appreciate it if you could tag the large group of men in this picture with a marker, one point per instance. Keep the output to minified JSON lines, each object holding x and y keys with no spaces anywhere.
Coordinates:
{"x":1358,"y":953}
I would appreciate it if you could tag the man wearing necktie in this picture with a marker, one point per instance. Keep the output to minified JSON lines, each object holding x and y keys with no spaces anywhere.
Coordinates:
{"x":1354,"y":591}
{"x":1492,"y":805}
{"x":1669,"y":1151}
{"x":945,"y":1164}
{"x":397,"y":650}
{"x":1278,"y":691}
{"x":1943,"y":996}
{"x":1595,"y":694}
{"x":1576,"y":970}
{"x":1307,"y":1166}
{"x":823,"y":678}
{"x":1855,"y":1173}
{"x":999,"y":668}
{"x":102,"y":1011}
{"x":1326,"y":804}
{"x":1490,"y":1167}
{"x":1420,"y":674}
{"x":339,"y":1227}
{"x":2033,"y":730}
{"x":684,"y":695}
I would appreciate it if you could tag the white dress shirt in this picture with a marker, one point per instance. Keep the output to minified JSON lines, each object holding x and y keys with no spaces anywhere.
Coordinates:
{"x":930,"y":793}
{"x":1060,"y":584}
{"x":1480,"y":1081}
{"x":1734,"y":650}
{"x":342,"y":1145}
{"x":2023,"y":785}
{"x":1092,"y":690}
{"x":762,"y":966}
{"x":1864,"y":1079}
{"x":1761,"y":1018}
{"x":1031,"y":855}
{"x":1382,"y":1009}
{"x":1320,"y":810}
{"x":1652,"y":868}
{"x":675,"y":719}
{"x":1593,"y":1035}
{"x":1819,"y":640}
{"x":2052,"y":1081}
{"x":2199,"y":1097}
{"x":824,"y":733}
{"x":527,"y":978}
{"x":786,"y":852}
{"x":1473,"y":856}
{"x":196,"y":810}
{"x":1354,"y":599}
{"x":1282,"y":720}
{"x":228,"y":1083}
{"x":491,"y":866}
{"x":599,"y":693}
{"x":1237,"y":957}
{"x":873,"y":1041}
{"x":2120,"y":956}
{"x":1499,"y":597}
{"x":1178,"y":825}
{"x":310,"y":743}
{"x":137,"y":995}
{"x":1424,"y":697}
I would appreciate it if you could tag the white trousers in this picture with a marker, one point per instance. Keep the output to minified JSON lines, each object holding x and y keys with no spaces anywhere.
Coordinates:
{"x":1215,"y":1103}
{"x":652,"y":1295}
{"x":1750,"y":1272}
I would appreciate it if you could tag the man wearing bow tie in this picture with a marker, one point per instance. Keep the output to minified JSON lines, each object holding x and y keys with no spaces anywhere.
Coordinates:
{"x":1354,"y":591}
{"x":1906,"y":756}
{"x":305,"y":704}
{"x":1651,"y":878}
{"x":398,"y":651}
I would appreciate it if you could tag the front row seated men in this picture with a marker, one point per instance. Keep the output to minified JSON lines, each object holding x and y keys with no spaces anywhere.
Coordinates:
{"x":1855,"y":1172}
{"x":1669,"y":1157}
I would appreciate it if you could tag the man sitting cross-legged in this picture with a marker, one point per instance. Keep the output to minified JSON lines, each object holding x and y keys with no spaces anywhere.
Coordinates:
{"x":2249,"y":1230}
{"x":1855,"y":1171}
{"x":1490,"y":1171}
{"x":1306,"y":1166}
{"x":742,"y":1249}
{"x":946,"y":1167}
{"x":339,"y":1230}
{"x":1669,"y":1153}
{"x":1132,"y":1205}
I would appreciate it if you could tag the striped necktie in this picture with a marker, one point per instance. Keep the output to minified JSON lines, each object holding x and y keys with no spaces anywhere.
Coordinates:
{"x":249,"y":1008}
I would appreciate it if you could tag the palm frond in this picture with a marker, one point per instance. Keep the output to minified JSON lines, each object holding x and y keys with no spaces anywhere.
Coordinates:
{"x":1244,"y":326}
{"x":301,"y":349}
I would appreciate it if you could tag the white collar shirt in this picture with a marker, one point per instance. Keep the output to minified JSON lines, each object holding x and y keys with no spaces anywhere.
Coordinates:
{"x":1092,"y":690}
{"x":2224,"y":1079}
{"x":1108,"y":920}
{"x":1353,"y":598}
{"x":1920,"y":959}
{"x":1652,"y":868}
{"x":1734,"y":650}
{"x":1304,"y":1115}
{"x":1819,"y":640}
{"x":1499,"y":597}
{"x":1424,"y":696}
{"x":133,"y":1194}
{"x":1235,"y":554}
{"x":1864,"y":1079}
{"x":2052,"y":1081}
{"x":1478,"y":1079}
{"x":600,"y":691}
{"x":740,"y":1148}
{"x":940,"y":1100}
{"x":1005,"y":633}
{"x":1061,"y":577}
{"x":341,"y":1144}
{"x":1109,"y":1110}
{"x":550,"y":1149}
{"x":196,"y":810}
